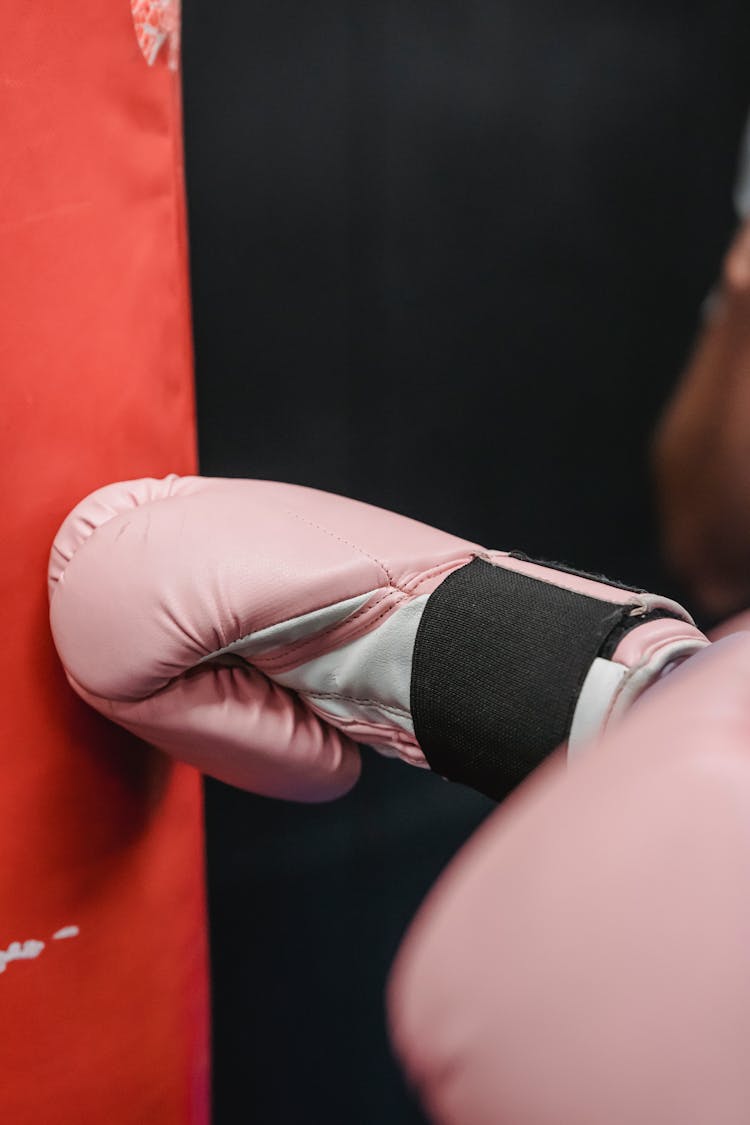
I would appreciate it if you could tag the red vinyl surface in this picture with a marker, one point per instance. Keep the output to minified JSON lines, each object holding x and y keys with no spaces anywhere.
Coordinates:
{"x":100,"y":837}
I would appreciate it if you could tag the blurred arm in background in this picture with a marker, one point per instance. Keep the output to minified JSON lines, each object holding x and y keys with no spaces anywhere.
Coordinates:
{"x":702,"y":446}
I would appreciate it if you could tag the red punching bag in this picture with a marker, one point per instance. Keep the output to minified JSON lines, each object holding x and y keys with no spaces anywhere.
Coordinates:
{"x":103,"y":983}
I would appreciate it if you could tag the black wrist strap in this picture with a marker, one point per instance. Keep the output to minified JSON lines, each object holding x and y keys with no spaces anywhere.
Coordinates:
{"x":499,"y":663}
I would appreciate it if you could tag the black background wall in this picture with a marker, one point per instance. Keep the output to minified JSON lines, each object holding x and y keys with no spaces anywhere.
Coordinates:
{"x":447,"y":257}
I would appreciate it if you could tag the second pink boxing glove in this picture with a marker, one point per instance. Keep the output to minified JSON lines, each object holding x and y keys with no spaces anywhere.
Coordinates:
{"x":584,"y":960}
{"x":260,"y":630}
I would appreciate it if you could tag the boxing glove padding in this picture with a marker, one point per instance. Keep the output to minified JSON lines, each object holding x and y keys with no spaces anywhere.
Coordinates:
{"x":260,"y":630}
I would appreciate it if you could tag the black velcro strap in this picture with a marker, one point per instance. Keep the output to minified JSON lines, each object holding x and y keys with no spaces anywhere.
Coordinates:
{"x":499,"y":663}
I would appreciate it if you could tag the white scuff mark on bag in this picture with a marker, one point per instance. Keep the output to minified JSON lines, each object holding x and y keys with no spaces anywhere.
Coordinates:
{"x":20,"y":951}
{"x":66,"y":932}
{"x":157,"y":22}
{"x":30,"y":950}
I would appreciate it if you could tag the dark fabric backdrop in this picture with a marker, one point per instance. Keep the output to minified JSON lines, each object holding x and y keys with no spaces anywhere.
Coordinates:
{"x":447,"y":257}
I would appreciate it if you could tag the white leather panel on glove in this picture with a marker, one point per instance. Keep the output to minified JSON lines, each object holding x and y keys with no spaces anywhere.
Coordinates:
{"x":260,"y":630}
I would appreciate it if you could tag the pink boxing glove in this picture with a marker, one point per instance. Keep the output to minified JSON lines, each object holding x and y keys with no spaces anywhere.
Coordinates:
{"x":586,"y":958}
{"x":259,"y":630}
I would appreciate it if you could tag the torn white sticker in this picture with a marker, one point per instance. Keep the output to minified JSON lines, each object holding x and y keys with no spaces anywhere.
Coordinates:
{"x":157,"y":23}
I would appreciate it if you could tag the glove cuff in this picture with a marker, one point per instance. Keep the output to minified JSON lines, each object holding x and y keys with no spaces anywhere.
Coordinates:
{"x":507,"y":666}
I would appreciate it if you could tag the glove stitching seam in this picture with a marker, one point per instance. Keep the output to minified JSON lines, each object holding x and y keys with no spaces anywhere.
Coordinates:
{"x":282,"y":657}
{"x":270,"y":663}
{"x":453,"y":564}
{"x":394,"y":708}
{"x":347,"y":543}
